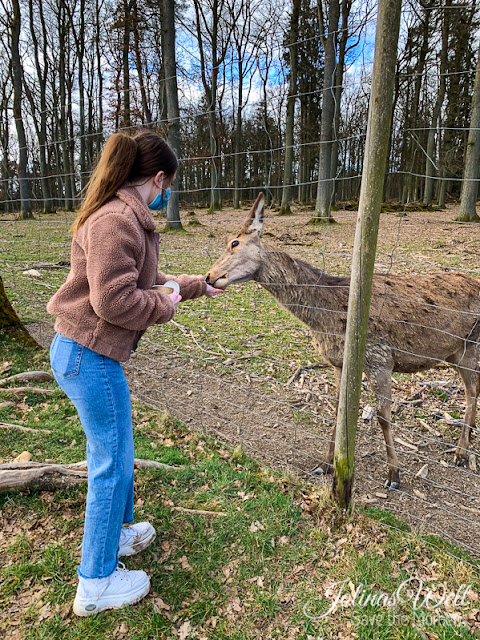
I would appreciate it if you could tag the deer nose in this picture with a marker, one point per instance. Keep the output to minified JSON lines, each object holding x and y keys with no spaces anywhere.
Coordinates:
{"x":207,"y":278}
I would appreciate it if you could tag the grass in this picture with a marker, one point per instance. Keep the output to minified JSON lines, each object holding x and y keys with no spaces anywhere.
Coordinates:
{"x":265,"y":569}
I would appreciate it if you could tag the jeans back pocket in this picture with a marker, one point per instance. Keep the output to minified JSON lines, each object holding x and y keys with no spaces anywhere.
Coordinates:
{"x":65,"y":356}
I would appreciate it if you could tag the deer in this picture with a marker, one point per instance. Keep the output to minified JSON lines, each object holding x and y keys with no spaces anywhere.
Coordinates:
{"x":416,"y":322}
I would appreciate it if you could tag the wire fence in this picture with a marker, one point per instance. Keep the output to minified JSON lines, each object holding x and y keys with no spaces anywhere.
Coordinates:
{"x":243,"y":369}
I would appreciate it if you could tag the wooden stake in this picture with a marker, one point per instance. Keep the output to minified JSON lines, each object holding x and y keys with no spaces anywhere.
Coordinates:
{"x":376,"y":149}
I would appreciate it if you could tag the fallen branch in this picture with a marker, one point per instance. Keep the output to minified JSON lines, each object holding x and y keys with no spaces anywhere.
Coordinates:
{"x":201,"y":512}
{"x":29,"y":376}
{"x":189,"y":333}
{"x":51,"y":265}
{"x":7,"y":425}
{"x":6,"y":404}
{"x":138,"y":463}
{"x":21,"y":390}
{"x":16,"y":476}
{"x":315,"y":365}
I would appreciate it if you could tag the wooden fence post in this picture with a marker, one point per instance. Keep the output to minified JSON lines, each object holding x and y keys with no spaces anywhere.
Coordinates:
{"x":376,"y":149}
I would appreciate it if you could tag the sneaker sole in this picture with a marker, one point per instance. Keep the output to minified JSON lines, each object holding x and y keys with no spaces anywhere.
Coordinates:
{"x":137,"y":548}
{"x":80,"y":604}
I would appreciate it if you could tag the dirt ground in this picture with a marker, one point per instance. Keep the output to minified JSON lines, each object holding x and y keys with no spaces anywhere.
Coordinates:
{"x":289,"y":425}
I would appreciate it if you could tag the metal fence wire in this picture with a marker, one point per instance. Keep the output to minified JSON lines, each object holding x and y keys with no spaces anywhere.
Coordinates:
{"x":243,"y":369}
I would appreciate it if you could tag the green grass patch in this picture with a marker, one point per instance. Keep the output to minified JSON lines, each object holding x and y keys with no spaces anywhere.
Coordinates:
{"x":271,"y":567}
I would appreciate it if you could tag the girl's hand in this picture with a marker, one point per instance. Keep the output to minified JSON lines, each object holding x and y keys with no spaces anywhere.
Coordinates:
{"x":211,"y":292}
{"x":175,"y":298}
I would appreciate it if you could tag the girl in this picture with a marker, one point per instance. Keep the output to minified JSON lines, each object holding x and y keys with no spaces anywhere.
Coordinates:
{"x":102,"y":309}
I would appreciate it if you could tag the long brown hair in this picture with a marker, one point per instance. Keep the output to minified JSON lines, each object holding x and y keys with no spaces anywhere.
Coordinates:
{"x":124,"y":157}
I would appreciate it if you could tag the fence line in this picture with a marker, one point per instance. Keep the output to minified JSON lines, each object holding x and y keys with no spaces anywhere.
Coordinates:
{"x":244,"y":390}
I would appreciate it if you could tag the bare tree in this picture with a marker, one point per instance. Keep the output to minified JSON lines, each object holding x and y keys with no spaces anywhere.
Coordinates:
{"x":213,"y":32}
{"x":329,"y":41}
{"x":5,"y":98}
{"x":139,"y":63}
{"x":12,"y":13}
{"x":430,"y":167}
{"x":246,"y":49}
{"x":468,"y":209}
{"x":290,"y":121}
{"x":173,"y":111}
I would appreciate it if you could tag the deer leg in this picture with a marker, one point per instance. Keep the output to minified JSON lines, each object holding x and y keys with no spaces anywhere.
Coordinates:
{"x":381,"y":384}
{"x":471,"y":380}
{"x":327,"y":466}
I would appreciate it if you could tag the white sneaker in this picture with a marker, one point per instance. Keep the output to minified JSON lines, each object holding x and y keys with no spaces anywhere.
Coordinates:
{"x":135,"y":538}
{"x":119,"y":589}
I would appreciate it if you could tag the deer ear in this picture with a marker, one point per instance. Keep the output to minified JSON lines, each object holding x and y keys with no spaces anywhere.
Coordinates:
{"x":257,"y":216}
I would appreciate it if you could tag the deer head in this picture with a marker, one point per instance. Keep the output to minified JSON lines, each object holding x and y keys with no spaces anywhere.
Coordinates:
{"x":242,"y":257}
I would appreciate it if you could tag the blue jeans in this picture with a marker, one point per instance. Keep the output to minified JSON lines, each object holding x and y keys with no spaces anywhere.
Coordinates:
{"x":98,"y":388}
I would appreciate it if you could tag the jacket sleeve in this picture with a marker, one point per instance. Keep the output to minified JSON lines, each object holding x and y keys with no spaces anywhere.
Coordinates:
{"x":190,"y":286}
{"x":110,"y":248}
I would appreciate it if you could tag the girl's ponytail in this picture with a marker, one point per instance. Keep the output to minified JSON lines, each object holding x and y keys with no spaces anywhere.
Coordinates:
{"x":113,"y":169}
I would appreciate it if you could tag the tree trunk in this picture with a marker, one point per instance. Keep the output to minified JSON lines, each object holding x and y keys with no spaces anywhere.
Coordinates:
{"x":290,"y":121}
{"x":346,"y":7}
{"x":81,"y":95}
{"x":5,"y":144}
{"x":217,"y":57}
{"x":173,"y":112}
{"x":9,"y":320}
{"x":98,"y":56}
{"x":17,"y":77}
{"x":41,"y":126}
{"x":127,"y":122}
{"x":419,"y":75}
{"x":62,"y":79}
{"x":468,"y":203}
{"x":324,"y":188}
{"x":430,"y":168}
{"x":237,"y":158}
{"x":147,"y":114}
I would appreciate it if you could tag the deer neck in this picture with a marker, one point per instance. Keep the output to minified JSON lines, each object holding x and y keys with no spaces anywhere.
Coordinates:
{"x":307,"y":292}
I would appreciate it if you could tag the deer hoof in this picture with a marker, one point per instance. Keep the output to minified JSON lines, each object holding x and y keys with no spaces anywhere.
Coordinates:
{"x":322,"y":469}
{"x":392,"y":485}
{"x":461,"y":457}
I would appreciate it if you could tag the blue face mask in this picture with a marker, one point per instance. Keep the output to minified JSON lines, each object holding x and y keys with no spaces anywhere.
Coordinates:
{"x":160,"y":201}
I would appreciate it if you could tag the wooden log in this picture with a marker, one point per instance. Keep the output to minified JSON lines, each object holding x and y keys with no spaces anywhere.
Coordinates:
{"x":16,"y":476}
{"x":138,"y":463}
{"x":28,"y":376}
{"x":44,"y":478}
{"x":6,"y":404}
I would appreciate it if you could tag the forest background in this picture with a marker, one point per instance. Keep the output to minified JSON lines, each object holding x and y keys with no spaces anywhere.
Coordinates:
{"x":252,"y":95}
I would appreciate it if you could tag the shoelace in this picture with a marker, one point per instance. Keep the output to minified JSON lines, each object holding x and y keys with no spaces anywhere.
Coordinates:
{"x":123,"y":576}
{"x":128,"y":535}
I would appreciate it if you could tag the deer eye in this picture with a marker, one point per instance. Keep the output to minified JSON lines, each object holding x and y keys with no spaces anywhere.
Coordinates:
{"x":235,"y":243}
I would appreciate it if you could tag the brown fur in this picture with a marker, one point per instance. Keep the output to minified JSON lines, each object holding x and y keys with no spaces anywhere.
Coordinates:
{"x":416,"y":321}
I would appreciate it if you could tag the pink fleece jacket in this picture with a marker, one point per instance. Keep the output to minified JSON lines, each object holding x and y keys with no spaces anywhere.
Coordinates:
{"x":107,"y":300}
